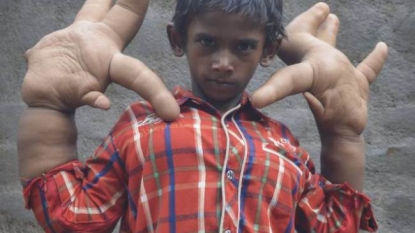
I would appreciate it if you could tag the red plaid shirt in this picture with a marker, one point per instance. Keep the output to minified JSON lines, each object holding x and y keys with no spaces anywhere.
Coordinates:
{"x":205,"y":172}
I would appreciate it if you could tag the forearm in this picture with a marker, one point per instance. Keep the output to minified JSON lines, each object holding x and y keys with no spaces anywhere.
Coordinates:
{"x":343,"y":160}
{"x":46,"y":139}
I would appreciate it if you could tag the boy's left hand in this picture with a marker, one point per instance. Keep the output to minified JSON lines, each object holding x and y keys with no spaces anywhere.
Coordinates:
{"x":336,"y":91}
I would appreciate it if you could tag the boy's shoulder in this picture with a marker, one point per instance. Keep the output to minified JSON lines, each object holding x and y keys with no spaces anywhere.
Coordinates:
{"x":287,"y":140}
{"x":137,"y":114}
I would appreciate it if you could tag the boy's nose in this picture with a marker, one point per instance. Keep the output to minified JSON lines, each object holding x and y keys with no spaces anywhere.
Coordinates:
{"x":222,"y":62}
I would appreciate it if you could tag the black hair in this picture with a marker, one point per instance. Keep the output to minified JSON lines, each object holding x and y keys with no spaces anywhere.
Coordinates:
{"x":264,"y":13}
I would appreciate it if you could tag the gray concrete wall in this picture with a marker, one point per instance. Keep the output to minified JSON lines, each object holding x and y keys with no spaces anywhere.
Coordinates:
{"x":390,"y":133}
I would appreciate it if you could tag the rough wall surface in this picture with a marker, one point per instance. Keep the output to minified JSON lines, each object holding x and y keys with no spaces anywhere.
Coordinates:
{"x":390,"y":133}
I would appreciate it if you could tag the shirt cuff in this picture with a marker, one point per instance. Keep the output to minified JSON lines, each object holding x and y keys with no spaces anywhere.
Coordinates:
{"x":43,"y":182}
{"x":359,"y":201}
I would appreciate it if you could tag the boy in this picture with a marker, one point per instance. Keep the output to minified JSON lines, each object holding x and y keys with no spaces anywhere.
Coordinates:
{"x":221,"y":166}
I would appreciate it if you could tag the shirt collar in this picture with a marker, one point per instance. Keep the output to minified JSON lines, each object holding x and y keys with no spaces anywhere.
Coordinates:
{"x":184,"y":96}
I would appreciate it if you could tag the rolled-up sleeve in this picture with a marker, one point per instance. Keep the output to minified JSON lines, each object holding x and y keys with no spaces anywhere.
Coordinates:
{"x":81,"y":198}
{"x":327,"y":207}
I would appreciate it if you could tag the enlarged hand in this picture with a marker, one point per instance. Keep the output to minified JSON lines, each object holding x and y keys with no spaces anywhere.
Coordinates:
{"x":74,"y":66}
{"x":336,"y":91}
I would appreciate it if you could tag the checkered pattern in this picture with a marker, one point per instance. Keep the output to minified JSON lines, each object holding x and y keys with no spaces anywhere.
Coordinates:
{"x":205,"y":172}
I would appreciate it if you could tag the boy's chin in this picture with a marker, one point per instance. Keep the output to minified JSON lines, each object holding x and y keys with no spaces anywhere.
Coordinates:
{"x":220,"y":96}
{"x":222,"y":99}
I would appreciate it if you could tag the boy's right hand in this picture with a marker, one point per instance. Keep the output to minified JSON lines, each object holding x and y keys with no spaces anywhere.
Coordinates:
{"x":73,"y":67}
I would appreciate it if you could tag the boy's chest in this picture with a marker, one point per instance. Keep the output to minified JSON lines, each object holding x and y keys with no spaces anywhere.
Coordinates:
{"x":238,"y":155}
{"x":239,"y":168}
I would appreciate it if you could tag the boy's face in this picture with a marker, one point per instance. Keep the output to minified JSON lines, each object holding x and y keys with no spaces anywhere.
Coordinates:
{"x":223,"y":51}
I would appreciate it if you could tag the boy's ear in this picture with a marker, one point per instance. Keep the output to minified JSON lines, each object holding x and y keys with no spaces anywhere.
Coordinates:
{"x":175,"y":39}
{"x":268,"y":54}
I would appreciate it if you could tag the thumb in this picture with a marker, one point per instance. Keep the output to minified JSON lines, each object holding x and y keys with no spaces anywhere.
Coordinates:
{"x":288,"y":81}
{"x":96,"y":99}
{"x":134,"y":75}
{"x":373,"y":63}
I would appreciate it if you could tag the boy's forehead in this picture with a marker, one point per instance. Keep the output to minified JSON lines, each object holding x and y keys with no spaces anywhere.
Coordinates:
{"x":227,"y":26}
{"x":222,"y":19}
{"x":254,"y":10}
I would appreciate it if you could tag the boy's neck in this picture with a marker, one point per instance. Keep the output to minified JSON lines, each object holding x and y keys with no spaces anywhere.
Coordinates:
{"x":221,"y":106}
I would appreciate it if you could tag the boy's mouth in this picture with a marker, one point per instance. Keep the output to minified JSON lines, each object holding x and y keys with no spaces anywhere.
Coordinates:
{"x":220,"y":83}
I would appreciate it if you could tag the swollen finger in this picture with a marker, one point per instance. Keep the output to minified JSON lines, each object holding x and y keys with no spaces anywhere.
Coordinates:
{"x":329,"y":29}
{"x":126,"y":17}
{"x":288,"y":81}
{"x":373,"y":63}
{"x":134,"y":75}
{"x":310,"y":20}
{"x":94,"y":10}
{"x":301,"y":32}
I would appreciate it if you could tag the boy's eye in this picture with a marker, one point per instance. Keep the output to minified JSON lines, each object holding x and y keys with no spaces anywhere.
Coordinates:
{"x":207,"y":42}
{"x":245,"y":47}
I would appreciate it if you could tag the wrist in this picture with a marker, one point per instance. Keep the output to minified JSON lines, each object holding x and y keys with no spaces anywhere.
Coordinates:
{"x":343,"y":159}
{"x":46,"y":139}
{"x":334,"y":140}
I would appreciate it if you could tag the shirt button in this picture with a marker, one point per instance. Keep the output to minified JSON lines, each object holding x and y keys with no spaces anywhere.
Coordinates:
{"x":228,"y":231}
{"x":230,"y":174}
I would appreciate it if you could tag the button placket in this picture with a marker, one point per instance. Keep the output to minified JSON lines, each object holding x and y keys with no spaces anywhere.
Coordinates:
{"x":229,"y":186}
